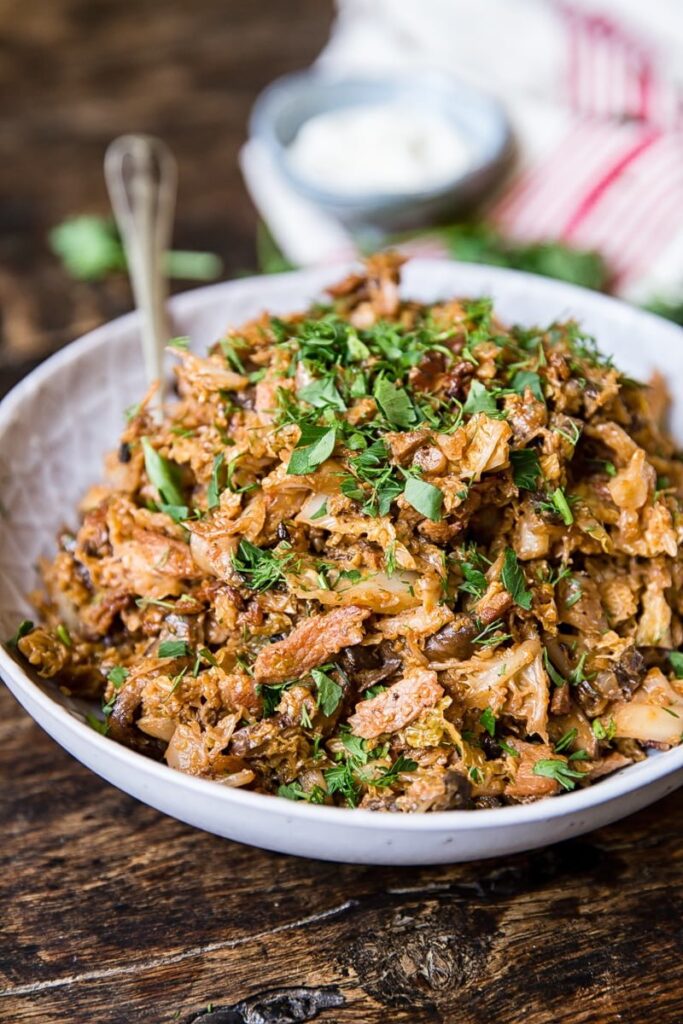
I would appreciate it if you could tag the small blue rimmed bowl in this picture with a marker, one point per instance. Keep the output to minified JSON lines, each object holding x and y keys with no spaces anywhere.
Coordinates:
{"x":286,"y":104}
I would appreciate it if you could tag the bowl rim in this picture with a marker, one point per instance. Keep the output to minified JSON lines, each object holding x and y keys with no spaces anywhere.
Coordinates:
{"x":261,"y":127}
{"x":621,"y":783}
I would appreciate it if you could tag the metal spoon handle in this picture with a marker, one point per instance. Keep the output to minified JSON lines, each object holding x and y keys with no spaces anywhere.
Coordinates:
{"x":141,"y":175}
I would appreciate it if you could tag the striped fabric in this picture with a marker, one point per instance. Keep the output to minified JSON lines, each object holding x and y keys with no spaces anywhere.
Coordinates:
{"x":614,"y":180}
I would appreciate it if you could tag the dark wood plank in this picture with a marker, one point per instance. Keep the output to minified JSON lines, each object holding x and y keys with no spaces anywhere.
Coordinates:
{"x":75,"y":73}
{"x":114,"y":913}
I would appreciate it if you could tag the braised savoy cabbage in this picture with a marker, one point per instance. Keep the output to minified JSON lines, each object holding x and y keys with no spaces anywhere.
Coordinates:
{"x":382,"y":555}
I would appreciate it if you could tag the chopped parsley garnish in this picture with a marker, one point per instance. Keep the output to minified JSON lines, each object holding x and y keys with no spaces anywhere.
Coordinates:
{"x":424,"y":498}
{"x":173,"y":649}
{"x":676,"y":662}
{"x":475,"y":580}
{"x":480,"y":400}
{"x":560,"y":502}
{"x":23,"y":629}
{"x":487,"y":719}
{"x":322,"y":393}
{"x":602,"y":732}
{"x":559,"y":771}
{"x":322,"y":511}
{"x":491,"y":635}
{"x":347,"y":776}
{"x":575,"y":592}
{"x":99,"y":725}
{"x":513,"y":580}
{"x":271,"y":695}
{"x":526,"y":469}
{"x":577,"y":675}
{"x":565,"y":741}
{"x":389,"y":776}
{"x":230,"y":347}
{"x":63,"y":635}
{"x":117,"y":676}
{"x":373,"y":480}
{"x":394,"y":403}
{"x":329,"y":691}
{"x":315,"y":446}
{"x":163,"y":475}
{"x":525,"y":380}
{"x":217,"y":482}
{"x":555,"y":676}
{"x":259,"y":568}
{"x":295,"y":791}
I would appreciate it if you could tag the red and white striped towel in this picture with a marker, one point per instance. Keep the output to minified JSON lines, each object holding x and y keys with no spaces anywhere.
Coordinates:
{"x":595,"y":93}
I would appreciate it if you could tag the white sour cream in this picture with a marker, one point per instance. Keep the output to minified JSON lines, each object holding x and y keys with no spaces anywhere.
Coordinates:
{"x":385,"y":147}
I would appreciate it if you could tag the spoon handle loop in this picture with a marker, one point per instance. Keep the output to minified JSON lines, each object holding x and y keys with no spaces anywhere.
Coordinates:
{"x":141,"y":176}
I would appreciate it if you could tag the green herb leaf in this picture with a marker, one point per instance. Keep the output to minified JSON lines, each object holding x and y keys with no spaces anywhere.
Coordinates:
{"x":63,"y":635}
{"x":560,"y":502}
{"x":100,"y":726}
{"x":525,"y":380}
{"x":676,"y":662}
{"x":295,"y":791}
{"x":271,"y":696}
{"x":424,"y":498}
{"x":526,"y":469}
{"x":577,"y":675}
{"x":178,"y":513}
{"x":318,"y":445}
{"x":560,"y":771}
{"x":217,"y":482}
{"x":163,"y":474}
{"x":173,"y":649}
{"x":89,"y":247}
{"x":329,"y":692}
{"x":475,"y":580}
{"x":340,"y":779}
{"x":480,"y":400}
{"x":259,"y":568}
{"x":180,"y":343}
{"x":555,"y":676}
{"x":23,"y":629}
{"x":389,"y":776}
{"x":488,"y":720}
{"x":322,"y":393}
{"x":117,"y":676}
{"x":575,"y":592}
{"x":514,"y":582}
{"x":356,"y":747}
{"x":229,"y":347}
{"x":394,"y":403}
{"x":565,"y":741}
{"x":606,"y":733}
{"x":322,"y":511}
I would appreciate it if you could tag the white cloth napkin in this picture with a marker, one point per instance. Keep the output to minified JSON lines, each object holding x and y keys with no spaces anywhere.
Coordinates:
{"x":594,"y":89}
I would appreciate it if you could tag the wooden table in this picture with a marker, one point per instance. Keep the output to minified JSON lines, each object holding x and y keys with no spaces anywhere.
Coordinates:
{"x":111,"y":912}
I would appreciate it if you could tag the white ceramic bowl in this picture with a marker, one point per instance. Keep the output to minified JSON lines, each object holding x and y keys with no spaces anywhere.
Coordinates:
{"x":55,"y":427}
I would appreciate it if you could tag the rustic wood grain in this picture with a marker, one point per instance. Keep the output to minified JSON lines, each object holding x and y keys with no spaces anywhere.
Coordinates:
{"x":110,"y":912}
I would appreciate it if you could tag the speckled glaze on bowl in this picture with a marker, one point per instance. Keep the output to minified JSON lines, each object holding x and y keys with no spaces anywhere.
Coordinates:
{"x":55,"y":427}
